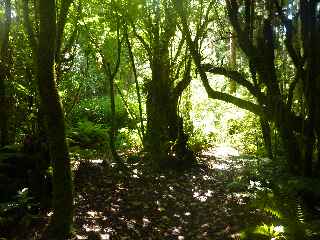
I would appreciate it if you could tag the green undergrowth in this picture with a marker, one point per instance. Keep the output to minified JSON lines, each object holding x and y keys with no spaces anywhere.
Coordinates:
{"x":286,"y":199}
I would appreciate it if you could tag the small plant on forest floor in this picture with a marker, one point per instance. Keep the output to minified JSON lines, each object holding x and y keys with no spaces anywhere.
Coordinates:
{"x":279,"y":197}
{"x":88,"y":134}
{"x":20,"y":211}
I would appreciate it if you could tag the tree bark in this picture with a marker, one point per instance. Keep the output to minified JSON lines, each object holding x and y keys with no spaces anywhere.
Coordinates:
{"x":165,"y":140}
{"x":266,"y":132}
{"x":157,"y":140}
{"x":61,"y":221}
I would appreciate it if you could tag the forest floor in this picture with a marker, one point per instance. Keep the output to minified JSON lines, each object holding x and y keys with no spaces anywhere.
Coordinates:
{"x":204,"y":203}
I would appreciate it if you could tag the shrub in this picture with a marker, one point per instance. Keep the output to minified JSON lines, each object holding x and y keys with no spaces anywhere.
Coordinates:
{"x":97,"y":110}
{"x":88,"y":134}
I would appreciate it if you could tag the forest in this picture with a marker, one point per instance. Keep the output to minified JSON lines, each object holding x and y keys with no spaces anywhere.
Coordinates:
{"x":160,"y":119}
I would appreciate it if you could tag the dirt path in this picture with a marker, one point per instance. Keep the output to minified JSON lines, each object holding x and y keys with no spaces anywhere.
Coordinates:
{"x":201,"y":204}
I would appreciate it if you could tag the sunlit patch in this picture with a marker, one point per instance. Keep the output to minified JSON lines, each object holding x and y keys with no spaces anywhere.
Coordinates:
{"x":96,"y":161}
{"x":236,"y":236}
{"x":220,"y":166}
{"x":80,"y":237}
{"x":239,"y":198}
{"x":206,"y":177}
{"x":105,"y":236}
{"x":225,"y":151}
{"x":208,"y":193}
{"x":91,"y":228}
{"x":131,"y":224}
{"x":176,"y":231}
{"x":145,"y":222}
{"x":279,"y":229}
{"x":94,"y":214}
{"x":255,"y":185}
{"x":114,"y":207}
{"x":202,"y":197}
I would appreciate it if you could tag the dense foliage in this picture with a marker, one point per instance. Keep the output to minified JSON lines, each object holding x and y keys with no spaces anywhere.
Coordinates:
{"x":109,"y":99}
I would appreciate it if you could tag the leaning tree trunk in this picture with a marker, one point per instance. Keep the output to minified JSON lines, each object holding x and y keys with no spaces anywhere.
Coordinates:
{"x":50,"y":101}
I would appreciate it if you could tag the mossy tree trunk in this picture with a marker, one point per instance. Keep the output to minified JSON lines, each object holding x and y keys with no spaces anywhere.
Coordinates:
{"x":50,"y":101}
{"x":164,"y":140}
{"x":157,"y":141}
{"x":44,"y":48}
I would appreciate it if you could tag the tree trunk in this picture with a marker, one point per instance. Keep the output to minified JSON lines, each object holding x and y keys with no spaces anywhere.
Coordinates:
{"x":157,"y":141}
{"x":266,"y":132}
{"x":5,"y":65}
{"x":292,"y":148}
{"x":135,"y":80}
{"x":233,"y":60}
{"x":165,"y":138}
{"x":61,"y":220}
{"x":112,"y":131}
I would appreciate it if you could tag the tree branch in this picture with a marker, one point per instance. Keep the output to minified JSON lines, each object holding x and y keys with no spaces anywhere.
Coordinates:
{"x":244,"y":104}
{"x":235,"y":76}
{"x":295,"y":56}
{"x":177,"y":91}
{"x":142,"y":41}
{"x":256,"y":109}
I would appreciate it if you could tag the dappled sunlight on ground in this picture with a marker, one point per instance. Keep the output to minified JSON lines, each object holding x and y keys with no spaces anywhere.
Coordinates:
{"x":225,"y":151}
{"x":221,"y":157}
{"x":198,"y":204}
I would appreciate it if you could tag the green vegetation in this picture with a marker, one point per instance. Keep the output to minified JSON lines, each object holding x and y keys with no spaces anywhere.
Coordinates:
{"x":159,"y":119}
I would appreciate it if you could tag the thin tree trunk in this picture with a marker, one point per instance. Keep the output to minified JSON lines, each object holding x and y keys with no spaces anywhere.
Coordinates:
{"x":233,"y":60}
{"x":112,"y":131}
{"x":135,"y":79}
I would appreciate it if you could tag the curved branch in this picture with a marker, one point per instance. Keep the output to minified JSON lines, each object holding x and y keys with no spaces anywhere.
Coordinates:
{"x":181,"y":43}
{"x":244,"y":104}
{"x":177,"y":91}
{"x":254,"y":108}
{"x":142,"y":40}
{"x":235,"y":76}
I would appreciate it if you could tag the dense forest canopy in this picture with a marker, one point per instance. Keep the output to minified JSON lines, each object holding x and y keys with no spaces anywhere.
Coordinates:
{"x":163,"y":86}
